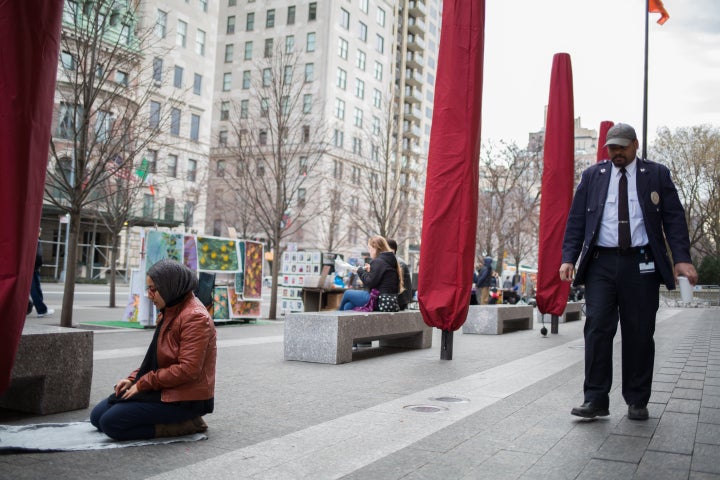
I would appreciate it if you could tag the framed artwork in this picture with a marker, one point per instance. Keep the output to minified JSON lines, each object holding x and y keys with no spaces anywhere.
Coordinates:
{"x":190,"y":253}
{"x":217,"y":254}
{"x":162,"y":245}
{"x":221,"y":303}
{"x":252,"y":286}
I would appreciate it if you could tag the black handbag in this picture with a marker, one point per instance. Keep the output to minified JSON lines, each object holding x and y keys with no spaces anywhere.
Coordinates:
{"x":388,"y":302}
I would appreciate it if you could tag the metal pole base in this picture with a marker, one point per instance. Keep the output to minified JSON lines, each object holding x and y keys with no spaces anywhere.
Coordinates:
{"x":554,"y":321}
{"x":446,"y":345}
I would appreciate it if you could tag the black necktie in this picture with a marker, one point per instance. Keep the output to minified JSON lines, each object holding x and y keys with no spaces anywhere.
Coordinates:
{"x":623,"y":213}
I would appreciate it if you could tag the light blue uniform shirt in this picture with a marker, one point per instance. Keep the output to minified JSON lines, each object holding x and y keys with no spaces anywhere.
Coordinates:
{"x":608,"y":234}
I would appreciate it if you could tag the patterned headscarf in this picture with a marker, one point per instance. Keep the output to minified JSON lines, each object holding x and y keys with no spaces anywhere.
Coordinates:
{"x":173,"y":280}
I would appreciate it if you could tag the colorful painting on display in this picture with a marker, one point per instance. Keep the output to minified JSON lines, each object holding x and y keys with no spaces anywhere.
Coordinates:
{"x":221,"y":304}
{"x":190,"y":253}
{"x":252,"y":286}
{"x":240,"y":308}
{"x":217,"y":254}
{"x":161,"y":245}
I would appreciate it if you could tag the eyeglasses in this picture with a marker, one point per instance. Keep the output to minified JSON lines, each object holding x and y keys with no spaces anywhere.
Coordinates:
{"x":151,"y":289}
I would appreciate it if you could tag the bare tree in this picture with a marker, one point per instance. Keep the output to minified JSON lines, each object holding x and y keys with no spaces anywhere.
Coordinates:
{"x":693,"y":156}
{"x":280,"y":143}
{"x":102,"y":119}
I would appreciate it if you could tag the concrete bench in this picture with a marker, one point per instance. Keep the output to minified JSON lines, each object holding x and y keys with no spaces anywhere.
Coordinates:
{"x":52,"y":371}
{"x":327,"y":337}
{"x":498,"y":319}
{"x":573,"y":312}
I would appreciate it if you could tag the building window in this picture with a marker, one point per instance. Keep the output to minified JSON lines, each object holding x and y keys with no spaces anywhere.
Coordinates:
{"x":172,"y":162}
{"x":125,"y":35}
{"x":224,"y":110}
{"x":380,"y":44}
{"x":217,"y":227}
{"x":222,"y":138}
{"x":364,"y":6}
{"x":358,"y":117}
{"x":306,"y":134}
{"x":288,"y":74}
{"x":194,"y":127}
{"x":380,"y":17}
{"x":244,"y":108}
{"x":338,"y":138}
{"x":377,"y":98}
{"x":311,"y":42}
{"x":151,"y":157}
{"x":220,"y":170}
{"x":241,"y":168}
{"x":191,"y":170}
{"x":309,"y":72}
{"x":378,"y":71}
{"x":266,"y":77}
{"x":246,"y":79}
{"x":270,"y":18}
{"x":161,"y":24}
{"x":375,"y":153}
{"x":197,"y":84}
{"x":338,"y":169}
{"x":121,"y":78}
{"x":248,"y":50}
{"x":250,"y":22}
{"x":259,"y":162}
{"x":359,"y":88}
{"x":67,"y":61}
{"x":268,"y":51}
{"x":148,"y":205}
{"x":154,"y":114}
{"x":229,"y":53}
{"x":357,"y":146}
{"x":303,"y":166}
{"x":301,"y":196}
{"x":341,"y":81}
{"x":264,"y":107}
{"x":232,"y":3}
{"x":169,"y":209}
{"x":200,"y":42}
{"x":181,"y":38}
{"x":344,"y":19}
{"x":361,"y":60}
{"x":291,"y":15}
{"x":307,"y":103}
{"x":189,"y":214}
{"x":204,"y":5}
{"x":103,"y":125}
{"x":177,"y":77}
{"x":175,"y":121}
{"x":227,"y":81}
{"x":157,"y":70}
{"x":343,"y":48}
{"x":355,"y":175}
{"x":312,"y":11}
{"x":375,"y":126}
{"x":362,"y":33}
{"x":285,"y":108}
{"x":339,"y":109}
{"x":230,"y":28}
{"x":289,"y":43}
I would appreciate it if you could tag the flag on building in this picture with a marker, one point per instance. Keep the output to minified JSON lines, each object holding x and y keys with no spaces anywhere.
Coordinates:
{"x":656,"y":6}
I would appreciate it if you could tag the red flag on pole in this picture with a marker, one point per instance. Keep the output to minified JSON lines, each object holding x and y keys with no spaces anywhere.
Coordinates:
{"x":447,"y":257}
{"x":29,"y":47}
{"x":557,"y":187}
{"x":656,"y":6}
{"x":602,"y":151}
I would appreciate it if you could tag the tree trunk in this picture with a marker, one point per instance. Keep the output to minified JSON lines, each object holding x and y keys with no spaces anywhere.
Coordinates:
{"x":70,"y":272}
{"x":275,"y":270}
{"x":113,"y":260}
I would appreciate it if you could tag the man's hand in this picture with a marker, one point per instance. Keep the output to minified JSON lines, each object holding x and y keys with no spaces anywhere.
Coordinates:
{"x":686,"y":270}
{"x":567,"y":272}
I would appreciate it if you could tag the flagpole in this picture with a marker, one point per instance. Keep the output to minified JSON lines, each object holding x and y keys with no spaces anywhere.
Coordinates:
{"x":645,"y":82}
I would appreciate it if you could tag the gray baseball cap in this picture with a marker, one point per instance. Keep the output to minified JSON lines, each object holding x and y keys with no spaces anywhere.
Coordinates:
{"x":620,"y":134}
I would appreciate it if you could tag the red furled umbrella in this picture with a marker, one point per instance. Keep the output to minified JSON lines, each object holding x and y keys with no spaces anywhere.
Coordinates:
{"x":557,"y":188}
{"x":29,"y":48}
{"x":602,"y":151}
{"x":451,"y":191}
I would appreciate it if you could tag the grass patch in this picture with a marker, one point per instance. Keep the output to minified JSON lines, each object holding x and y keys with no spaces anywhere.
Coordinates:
{"x":114,"y":323}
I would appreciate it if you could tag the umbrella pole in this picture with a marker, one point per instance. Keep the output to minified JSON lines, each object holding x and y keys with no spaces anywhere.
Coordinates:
{"x":554,"y":320}
{"x":446,"y":345}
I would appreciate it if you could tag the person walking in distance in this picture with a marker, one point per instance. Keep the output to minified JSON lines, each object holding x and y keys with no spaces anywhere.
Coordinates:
{"x":624,"y":213}
{"x":36,"y":293}
{"x":404,"y":297}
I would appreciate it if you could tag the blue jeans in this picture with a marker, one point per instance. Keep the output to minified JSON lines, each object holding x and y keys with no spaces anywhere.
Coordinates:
{"x":131,"y":420}
{"x":354,"y":298}
{"x":37,"y":295}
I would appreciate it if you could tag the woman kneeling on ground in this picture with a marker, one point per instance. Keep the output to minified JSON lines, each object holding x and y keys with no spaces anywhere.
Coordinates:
{"x":175,"y":384}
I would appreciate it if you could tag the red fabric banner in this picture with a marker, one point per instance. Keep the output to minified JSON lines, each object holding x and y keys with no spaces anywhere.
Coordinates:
{"x":447,"y":255}
{"x":557,"y":187}
{"x":29,"y":48}
{"x":602,"y":151}
{"x":656,"y":6}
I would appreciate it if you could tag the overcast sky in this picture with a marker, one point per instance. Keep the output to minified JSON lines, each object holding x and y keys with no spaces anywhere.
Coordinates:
{"x":605,"y":41}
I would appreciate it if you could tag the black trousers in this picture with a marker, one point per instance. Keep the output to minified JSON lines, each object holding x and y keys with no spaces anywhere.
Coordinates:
{"x":616,"y":290}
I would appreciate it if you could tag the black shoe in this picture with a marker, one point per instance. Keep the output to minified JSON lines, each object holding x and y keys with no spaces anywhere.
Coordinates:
{"x":589,"y":410}
{"x":637,"y":412}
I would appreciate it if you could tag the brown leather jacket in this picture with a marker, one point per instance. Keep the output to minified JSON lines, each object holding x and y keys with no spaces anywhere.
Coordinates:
{"x":186,"y":354}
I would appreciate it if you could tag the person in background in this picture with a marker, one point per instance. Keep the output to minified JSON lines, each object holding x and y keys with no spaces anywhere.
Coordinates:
{"x":36,"y":293}
{"x":406,"y":296}
{"x":626,"y":223}
{"x":381,"y":274}
{"x":175,"y":383}
{"x":483,"y":280}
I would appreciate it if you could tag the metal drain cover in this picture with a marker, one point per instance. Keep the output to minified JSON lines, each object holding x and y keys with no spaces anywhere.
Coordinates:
{"x":426,"y":408}
{"x":451,"y":399}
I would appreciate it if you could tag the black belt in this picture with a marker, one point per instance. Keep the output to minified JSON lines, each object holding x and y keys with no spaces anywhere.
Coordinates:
{"x":619,"y":251}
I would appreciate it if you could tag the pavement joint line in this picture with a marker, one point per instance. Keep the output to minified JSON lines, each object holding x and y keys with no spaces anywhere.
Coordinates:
{"x":139,"y":351}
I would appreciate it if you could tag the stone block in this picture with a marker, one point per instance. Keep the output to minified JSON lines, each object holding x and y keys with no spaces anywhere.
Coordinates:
{"x":327,"y":337}
{"x":498,"y":319}
{"x":573,"y":312}
{"x":52,"y":371}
